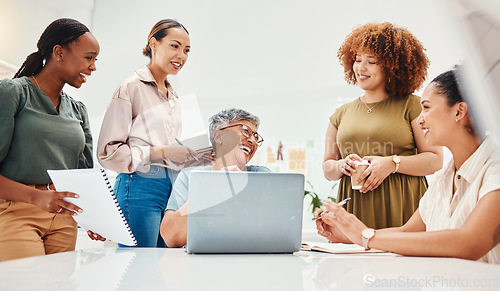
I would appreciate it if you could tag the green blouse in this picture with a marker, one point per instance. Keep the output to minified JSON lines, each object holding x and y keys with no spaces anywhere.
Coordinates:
{"x":35,"y":137}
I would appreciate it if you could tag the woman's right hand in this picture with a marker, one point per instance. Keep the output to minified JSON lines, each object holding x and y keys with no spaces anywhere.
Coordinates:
{"x":177,"y":153}
{"x":95,"y":236}
{"x":347,"y":165}
{"x":330,"y":232}
{"x":52,"y":201}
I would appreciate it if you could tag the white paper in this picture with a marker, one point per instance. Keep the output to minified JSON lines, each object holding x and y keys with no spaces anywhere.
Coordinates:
{"x":198,"y":142}
{"x":192,"y":120}
{"x":101,"y":212}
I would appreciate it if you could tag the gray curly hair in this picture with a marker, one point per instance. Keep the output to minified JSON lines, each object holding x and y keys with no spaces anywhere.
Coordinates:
{"x":223,"y":118}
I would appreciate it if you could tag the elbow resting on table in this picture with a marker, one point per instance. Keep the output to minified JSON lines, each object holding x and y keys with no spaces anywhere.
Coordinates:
{"x":171,"y":235}
{"x":471,"y":249}
{"x":467,"y":246}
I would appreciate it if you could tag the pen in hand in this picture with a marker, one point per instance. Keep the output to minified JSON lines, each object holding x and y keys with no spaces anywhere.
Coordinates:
{"x":326,"y":211}
{"x":193,"y":156}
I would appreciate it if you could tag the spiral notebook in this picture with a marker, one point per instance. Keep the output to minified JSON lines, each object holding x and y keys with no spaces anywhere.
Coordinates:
{"x":338,"y":248}
{"x":101,"y":212}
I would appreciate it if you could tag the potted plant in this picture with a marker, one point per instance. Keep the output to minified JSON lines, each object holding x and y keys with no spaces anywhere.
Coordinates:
{"x":316,"y":201}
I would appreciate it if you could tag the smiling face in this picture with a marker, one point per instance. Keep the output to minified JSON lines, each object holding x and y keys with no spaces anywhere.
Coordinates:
{"x":77,"y":60}
{"x":232,"y":140}
{"x":171,"y":52}
{"x":369,"y":75}
{"x":437,"y":119}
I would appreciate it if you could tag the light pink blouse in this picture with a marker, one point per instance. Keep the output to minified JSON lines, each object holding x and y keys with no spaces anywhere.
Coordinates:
{"x":138,"y":117}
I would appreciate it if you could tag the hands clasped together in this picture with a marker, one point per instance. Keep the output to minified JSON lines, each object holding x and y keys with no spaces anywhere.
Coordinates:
{"x":379,"y":169}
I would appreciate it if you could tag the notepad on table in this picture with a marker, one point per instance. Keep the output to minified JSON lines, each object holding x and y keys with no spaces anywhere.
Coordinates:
{"x":101,"y":212}
{"x":337,"y":248}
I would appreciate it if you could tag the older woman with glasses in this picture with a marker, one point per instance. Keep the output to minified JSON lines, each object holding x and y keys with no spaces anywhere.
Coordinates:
{"x":233,"y":133}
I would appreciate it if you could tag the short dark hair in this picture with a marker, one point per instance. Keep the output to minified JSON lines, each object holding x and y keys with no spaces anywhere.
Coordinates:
{"x":447,"y":86}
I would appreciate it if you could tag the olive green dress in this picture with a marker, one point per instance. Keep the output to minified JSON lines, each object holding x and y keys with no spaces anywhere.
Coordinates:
{"x":386,"y":131}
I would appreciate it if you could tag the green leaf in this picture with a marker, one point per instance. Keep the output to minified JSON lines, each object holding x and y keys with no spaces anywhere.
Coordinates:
{"x":316,"y":203}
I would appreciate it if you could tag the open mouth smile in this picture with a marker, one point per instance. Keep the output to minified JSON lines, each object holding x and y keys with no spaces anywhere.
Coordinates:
{"x":246,"y":149}
{"x":84,"y":77}
{"x":176,"y":65}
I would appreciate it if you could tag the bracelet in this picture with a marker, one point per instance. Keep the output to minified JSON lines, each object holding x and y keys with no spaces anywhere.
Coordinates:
{"x":163,"y":152}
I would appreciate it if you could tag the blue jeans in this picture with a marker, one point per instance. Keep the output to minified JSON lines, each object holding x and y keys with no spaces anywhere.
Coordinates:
{"x":143,"y":198}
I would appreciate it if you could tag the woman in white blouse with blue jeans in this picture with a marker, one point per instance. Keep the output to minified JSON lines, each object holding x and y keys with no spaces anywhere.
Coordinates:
{"x":139,"y":131}
{"x":458,"y":215}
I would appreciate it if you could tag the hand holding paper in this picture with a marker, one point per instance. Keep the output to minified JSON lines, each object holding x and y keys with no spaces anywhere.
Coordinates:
{"x":101,"y":212}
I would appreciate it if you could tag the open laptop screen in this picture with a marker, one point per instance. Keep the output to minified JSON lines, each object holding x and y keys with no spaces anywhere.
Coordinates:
{"x":245,"y":212}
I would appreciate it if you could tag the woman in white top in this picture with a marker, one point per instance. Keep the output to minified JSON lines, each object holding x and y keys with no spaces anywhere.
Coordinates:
{"x":458,"y":215}
{"x":138,"y":134}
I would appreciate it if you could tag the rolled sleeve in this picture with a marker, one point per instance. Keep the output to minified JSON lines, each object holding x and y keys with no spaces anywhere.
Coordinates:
{"x":491,"y":180}
{"x":113,"y":151}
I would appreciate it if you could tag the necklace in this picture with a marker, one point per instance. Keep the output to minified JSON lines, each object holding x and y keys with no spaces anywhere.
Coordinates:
{"x":370,"y":109}
{"x":38,"y":85}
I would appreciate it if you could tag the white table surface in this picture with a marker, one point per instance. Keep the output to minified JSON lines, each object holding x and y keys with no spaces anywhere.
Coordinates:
{"x":173,"y":269}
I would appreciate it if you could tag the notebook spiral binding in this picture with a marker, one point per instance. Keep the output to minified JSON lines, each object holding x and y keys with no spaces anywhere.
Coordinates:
{"x":110,"y":188}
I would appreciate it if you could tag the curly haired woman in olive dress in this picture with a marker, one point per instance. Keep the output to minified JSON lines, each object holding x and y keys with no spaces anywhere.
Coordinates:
{"x":389,"y":64}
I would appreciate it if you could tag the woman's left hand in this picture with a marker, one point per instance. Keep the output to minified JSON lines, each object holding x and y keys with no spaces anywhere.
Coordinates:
{"x":379,"y":169}
{"x":346,"y":222}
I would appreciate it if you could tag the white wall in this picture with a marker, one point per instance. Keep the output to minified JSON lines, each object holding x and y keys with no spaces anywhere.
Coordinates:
{"x":275,"y":58}
{"x":23,"y":21}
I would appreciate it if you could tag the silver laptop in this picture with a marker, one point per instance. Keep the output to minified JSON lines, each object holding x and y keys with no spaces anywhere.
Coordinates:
{"x":245,"y":212}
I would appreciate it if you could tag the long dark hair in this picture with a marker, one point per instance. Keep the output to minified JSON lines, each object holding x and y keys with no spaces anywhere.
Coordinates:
{"x":159,"y":31}
{"x":61,"y":32}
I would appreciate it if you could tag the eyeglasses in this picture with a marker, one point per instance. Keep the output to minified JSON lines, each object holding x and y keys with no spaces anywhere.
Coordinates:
{"x":247,"y":132}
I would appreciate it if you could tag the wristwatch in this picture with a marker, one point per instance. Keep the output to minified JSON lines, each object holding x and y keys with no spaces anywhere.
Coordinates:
{"x":366,"y":235}
{"x":396,"y":160}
